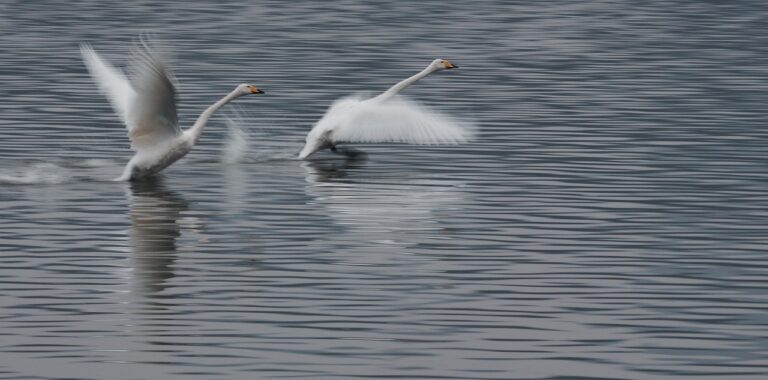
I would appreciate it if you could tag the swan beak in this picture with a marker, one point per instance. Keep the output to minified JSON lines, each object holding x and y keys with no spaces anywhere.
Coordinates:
{"x":449,"y":65}
{"x":255,"y":90}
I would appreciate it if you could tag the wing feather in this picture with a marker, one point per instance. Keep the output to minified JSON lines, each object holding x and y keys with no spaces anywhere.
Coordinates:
{"x":111,"y":81}
{"x":395,"y":120}
{"x":153,"y":117}
{"x":147,"y":104}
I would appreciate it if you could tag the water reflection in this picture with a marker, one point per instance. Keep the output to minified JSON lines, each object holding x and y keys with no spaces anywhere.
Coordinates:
{"x":319,"y":171}
{"x":610,"y":221}
{"x":385,"y":211}
{"x":155,"y":213}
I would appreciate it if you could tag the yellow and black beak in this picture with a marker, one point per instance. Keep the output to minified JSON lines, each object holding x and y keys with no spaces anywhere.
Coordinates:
{"x":255,"y":90}
{"x":449,"y":65}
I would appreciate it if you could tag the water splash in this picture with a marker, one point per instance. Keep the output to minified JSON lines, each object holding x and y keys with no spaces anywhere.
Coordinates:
{"x":37,"y":173}
{"x":256,"y":144}
{"x":95,"y":163}
{"x":236,"y":146}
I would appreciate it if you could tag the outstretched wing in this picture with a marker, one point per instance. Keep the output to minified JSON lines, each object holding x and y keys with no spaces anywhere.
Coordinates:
{"x":147,"y":105}
{"x":152,"y":116}
{"x":396,"y":120}
{"x":111,"y":81}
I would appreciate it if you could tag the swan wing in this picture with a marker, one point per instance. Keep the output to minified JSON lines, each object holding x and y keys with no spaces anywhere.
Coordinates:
{"x":152,"y":118}
{"x":395,"y":120}
{"x":147,"y":105}
{"x":111,"y":81}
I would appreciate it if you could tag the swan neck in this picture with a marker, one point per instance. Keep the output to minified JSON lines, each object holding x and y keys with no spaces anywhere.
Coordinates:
{"x":202,"y":120}
{"x":394,"y":90}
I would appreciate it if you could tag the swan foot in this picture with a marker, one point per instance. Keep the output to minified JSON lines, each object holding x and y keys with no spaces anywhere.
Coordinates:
{"x":350,"y":153}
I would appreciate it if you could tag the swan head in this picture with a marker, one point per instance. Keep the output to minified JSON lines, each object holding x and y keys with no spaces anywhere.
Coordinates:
{"x":442,"y":64}
{"x":245,"y":89}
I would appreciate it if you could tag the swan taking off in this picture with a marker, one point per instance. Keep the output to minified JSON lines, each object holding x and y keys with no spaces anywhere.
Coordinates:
{"x":147,"y":106}
{"x":386,"y":118}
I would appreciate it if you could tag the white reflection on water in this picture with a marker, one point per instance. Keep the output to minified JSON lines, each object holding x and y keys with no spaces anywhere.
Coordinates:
{"x":391,"y":215}
{"x":155,"y":213}
{"x":610,"y":222}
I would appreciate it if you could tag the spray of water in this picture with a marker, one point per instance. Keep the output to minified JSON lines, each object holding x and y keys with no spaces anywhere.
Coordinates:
{"x":37,"y":173}
{"x":247,"y":141}
{"x":236,"y":146}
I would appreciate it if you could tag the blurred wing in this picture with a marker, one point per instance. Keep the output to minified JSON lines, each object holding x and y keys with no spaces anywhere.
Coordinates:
{"x":148,"y":105}
{"x":111,"y":81}
{"x":396,"y":120}
{"x":152,"y":117}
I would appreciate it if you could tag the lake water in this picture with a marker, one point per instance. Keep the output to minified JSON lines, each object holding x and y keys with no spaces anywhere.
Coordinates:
{"x":610,"y":221}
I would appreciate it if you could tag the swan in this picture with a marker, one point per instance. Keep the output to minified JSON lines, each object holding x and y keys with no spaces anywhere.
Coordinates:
{"x":147,"y":106}
{"x":386,"y":118}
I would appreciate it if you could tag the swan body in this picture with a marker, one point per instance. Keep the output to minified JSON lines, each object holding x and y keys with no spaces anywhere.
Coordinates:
{"x":147,"y":106}
{"x":386,"y":118}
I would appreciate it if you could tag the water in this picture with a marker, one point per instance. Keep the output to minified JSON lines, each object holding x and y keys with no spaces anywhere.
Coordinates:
{"x":609,"y":222}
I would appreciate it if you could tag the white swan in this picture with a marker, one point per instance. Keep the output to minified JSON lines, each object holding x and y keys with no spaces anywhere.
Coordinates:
{"x":147,"y":106}
{"x":386,"y":118}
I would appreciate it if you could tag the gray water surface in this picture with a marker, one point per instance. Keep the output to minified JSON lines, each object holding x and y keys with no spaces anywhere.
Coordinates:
{"x":610,"y":221}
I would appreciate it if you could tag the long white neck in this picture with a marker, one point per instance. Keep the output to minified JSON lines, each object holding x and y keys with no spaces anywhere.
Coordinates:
{"x":197,"y":129}
{"x":394,"y":90}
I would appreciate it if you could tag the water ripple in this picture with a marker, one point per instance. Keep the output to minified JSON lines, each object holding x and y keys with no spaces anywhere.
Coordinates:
{"x":608,"y":222}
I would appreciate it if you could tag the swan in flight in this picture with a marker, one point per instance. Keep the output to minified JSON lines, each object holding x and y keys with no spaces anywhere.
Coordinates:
{"x":386,"y":118}
{"x":147,"y":106}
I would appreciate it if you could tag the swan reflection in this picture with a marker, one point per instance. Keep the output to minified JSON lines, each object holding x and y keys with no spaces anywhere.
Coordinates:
{"x":398,"y":211}
{"x":155,"y":214}
{"x":323,"y":171}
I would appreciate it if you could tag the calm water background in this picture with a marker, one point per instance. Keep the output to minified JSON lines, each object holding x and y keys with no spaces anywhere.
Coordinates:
{"x":611,"y":221}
